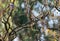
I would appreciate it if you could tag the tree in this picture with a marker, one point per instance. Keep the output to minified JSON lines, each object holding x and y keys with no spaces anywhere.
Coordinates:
{"x":18,"y":23}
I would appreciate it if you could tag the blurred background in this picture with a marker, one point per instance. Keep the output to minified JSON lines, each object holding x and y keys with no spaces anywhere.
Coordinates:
{"x":29,"y":20}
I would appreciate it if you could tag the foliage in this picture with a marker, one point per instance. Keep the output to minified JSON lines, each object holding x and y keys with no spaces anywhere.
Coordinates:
{"x":15,"y":22}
